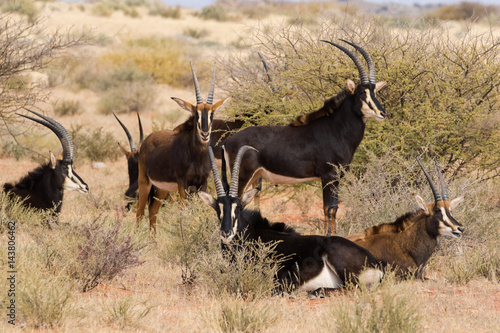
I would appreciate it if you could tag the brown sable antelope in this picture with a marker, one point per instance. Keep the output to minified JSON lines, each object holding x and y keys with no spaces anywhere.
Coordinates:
{"x":311,"y":262}
{"x":177,"y":160}
{"x":314,"y":146}
{"x":43,"y":188}
{"x":408,"y":243}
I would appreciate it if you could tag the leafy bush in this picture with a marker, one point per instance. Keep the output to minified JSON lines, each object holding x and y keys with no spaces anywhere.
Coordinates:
{"x":67,"y":108}
{"x":95,"y":146}
{"x":465,"y":11}
{"x":442,"y":97}
{"x":160,"y":9}
{"x":195,"y":33}
{"x":23,"y":7}
{"x":214,"y":13}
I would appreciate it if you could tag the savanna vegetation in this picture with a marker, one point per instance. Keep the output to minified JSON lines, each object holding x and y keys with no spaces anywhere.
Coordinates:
{"x":93,"y":270}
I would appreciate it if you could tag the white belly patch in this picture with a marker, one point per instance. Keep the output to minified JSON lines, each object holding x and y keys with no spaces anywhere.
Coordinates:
{"x":279,"y":179}
{"x":327,"y":278}
{"x":170,"y":187}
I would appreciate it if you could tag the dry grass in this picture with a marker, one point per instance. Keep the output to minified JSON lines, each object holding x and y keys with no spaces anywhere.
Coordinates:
{"x":154,"y":297}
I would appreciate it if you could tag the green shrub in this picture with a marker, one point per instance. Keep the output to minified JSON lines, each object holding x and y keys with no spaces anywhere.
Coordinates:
{"x":160,"y":9}
{"x":195,"y":33}
{"x":465,"y":11}
{"x":125,"y":312}
{"x":23,"y":7}
{"x":442,"y":96}
{"x":95,"y":146}
{"x":214,"y":13}
{"x":126,"y":98}
{"x":67,"y":108}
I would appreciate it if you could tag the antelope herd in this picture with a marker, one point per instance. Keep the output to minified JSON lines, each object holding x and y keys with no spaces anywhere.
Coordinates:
{"x":316,"y":146}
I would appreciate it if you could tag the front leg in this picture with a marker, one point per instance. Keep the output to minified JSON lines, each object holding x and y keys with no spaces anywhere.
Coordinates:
{"x":330,"y":204}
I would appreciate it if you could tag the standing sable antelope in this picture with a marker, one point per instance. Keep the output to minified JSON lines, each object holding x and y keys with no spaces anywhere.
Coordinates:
{"x":408,"y":243}
{"x":310,"y":262}
{"x":316,"y":145}
{"x":43,"y":188}
{"x":177,"y":160}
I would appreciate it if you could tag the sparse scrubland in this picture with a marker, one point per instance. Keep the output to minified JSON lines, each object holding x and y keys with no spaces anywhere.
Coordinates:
{"x":92,"y":270}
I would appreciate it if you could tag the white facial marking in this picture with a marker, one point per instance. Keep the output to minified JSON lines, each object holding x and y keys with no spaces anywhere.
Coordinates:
{"x":448,"y":228}
{"x":370,"y":112}
{"x":73,"y":183}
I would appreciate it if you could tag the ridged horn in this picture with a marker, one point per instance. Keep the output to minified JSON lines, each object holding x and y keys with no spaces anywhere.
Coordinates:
{"x":210,"y":98}
{"x":362,"y":72}
{"x":218,"y":183}
{"x":199,"y":100}
{"x":273,"y":87}
{"x":59,"y":130}
{"x":141,"y":133}
{"x":369,"y":61}
{"x":129,"y":137}
{"x":444,"y":189}
{"x":437,"y":196}
{"x":235,"y":174}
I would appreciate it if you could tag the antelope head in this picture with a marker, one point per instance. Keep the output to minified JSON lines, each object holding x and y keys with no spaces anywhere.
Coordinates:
{"x":203,"y":112}
{"x":367,"y":89}
{"x":227,"y":205}
{"x":64,"y":166}
{"x":133,"y":150}
{"x":440,"y":210}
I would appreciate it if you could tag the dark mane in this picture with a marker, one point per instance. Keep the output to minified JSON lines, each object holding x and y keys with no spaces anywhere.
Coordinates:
{"x":401,"y":223}
{"x":328,"y":108}
{"x":28,"y":181}
{"x":260,"y":222}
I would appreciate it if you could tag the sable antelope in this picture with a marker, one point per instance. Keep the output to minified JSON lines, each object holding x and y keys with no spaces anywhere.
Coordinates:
{"x":133,"y":164}
{"x":43,"y":188}
{"x":311,"y":262}
{"x":409,"y":242}
{"x":177,"y":160}
{"x":317,"y":145}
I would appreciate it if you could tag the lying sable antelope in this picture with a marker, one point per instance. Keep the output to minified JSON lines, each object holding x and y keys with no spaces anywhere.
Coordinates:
{"x":133,"y":164}
{"x":311,"y":262}
{"x":177,"y":160}
{"x":43,"y":188}
{"x":316,"y":145}
{"x":409,"y":242}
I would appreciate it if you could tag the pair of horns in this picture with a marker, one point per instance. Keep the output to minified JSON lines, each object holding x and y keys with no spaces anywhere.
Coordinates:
{"x":210,"y":98}
{"x":219,"y":186}
{"x":365,"y":79}
{"x":59,"y":130}
{"x":437,"y":196}
{"x":130,"y":140}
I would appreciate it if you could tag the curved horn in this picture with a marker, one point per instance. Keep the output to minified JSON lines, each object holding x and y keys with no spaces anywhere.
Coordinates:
{"x":362,"y":72}
{"x":444,"y":189}
{"x":210,"y":98}
{"x":437,"y":196}
{"x":59,"y":130}
{"x":369,"y":61}
{"x":141,"y":133}
{"x":218,"y":183}
{"x":235,"y":174}
{"x":130,"y":140}
{"x":273,"y":87}
{"x":199,"y":100}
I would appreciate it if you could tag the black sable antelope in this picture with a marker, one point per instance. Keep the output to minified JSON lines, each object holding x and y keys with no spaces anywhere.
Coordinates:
{"x":43,"y":188}
{"x":311,"y":262}
{"x":177,"y":160}
{"x":132,"y":157}
{"x":409,"y":242}
{"x":324,"y":140}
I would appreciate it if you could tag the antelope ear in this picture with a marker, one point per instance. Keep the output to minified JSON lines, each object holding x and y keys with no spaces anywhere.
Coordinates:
{"x":208,"y":199}
{"x":379,"y":85}
{"x":456,"y":202}
{"x":220,"y":103}
{"x":185,"y":105}
{"x":248,"y":197}
{"x":351,"y":86}
{"x":421,"y":203}
{"x":124,"y":151}
{"x":53,"y":161}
